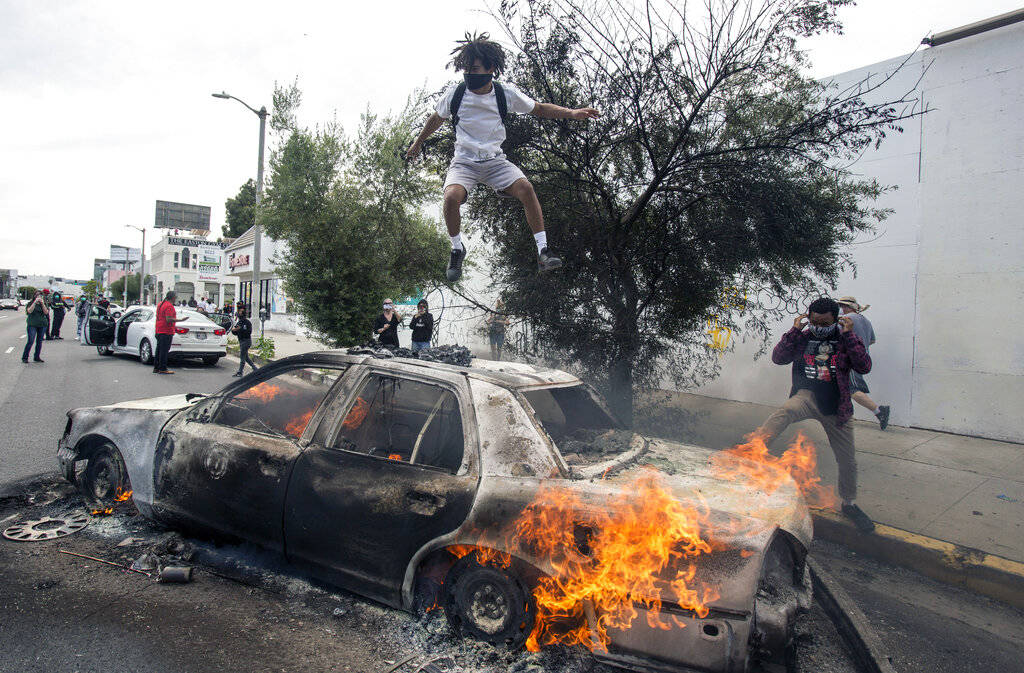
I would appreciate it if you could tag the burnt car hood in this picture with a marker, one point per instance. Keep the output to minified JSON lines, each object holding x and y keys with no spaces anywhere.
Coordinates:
{"x":134,"y":427}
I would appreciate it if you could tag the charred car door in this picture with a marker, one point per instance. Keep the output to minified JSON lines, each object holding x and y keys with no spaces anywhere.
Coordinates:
{"x":393,"y":469}
{"x":224,"y":465}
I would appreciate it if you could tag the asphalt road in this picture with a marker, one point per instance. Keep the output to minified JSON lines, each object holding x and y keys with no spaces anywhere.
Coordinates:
{"x":34,"y":397}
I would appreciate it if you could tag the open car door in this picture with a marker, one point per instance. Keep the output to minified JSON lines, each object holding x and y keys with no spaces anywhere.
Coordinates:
{"x":99,"y":328}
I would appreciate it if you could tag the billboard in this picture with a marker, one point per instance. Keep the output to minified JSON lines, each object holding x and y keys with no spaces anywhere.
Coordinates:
{"x":171,"y":215}
{"x":208,"y":263}
{"x":117,"y":254}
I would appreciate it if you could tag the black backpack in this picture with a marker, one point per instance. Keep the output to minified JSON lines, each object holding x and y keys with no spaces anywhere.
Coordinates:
{"x":460,"y":92}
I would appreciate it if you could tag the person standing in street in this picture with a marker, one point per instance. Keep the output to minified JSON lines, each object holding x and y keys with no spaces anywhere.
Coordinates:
{"x":822,"y":357}
{"x":385,"y":327}
{"x":858,"y":386}
{"x":422,"y":325}
{"x":36,"y":314}
{"x":243,"y":330}
{"x":166,"y":317}
{"x":497,"y":323}
{"x":46,"y":300}
{"x":82,"y":312}
{"x":57,"y":308}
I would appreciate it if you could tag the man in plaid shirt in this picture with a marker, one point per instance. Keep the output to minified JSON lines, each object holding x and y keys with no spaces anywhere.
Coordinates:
{"x":822,"y":356}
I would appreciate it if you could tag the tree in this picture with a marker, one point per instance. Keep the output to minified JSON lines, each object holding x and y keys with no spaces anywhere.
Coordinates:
{"x":712,"y":177}
{"x":26,"y":292}
{"x":240,"y":211}
{"x":117,"y":288}
{"x":351,"y":213}
{"x":91,"y":288}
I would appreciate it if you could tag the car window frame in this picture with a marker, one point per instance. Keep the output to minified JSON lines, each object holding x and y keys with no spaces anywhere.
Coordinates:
{"x":232,"y":390}
{"x":470,"y":443}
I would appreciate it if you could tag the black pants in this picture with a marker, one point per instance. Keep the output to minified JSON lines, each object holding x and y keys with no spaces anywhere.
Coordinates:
{"x":58,"y":320}
{"x":243,"y":355}
{"x":163,"y":347}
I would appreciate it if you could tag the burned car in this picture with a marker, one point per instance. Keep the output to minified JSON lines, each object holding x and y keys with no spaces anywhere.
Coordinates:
{"x":505,"y":494}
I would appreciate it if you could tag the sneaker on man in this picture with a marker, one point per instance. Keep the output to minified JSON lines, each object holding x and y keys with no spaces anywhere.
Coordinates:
{"x":883,"y":416}
{"x":546,"y":261}
{"x":454,"y":271}
{"x":861,"y":520}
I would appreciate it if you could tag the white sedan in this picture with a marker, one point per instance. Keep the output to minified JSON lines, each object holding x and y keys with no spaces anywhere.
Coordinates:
{"x":135,"y":333}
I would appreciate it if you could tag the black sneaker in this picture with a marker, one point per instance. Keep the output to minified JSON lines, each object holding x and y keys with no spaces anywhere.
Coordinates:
{"x":859,"y":518}
{"x":883,"y":416}
{"x":38,"y":360}
{"x":454,"y":271}
{"x":546,"y":261}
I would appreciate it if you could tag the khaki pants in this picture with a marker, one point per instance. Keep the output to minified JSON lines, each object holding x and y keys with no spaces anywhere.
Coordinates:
{"x":802,"y":406}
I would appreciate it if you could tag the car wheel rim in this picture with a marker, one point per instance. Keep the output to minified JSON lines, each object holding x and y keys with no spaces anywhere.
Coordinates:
{"x":489,"y":607}
{"x":145,"y":352}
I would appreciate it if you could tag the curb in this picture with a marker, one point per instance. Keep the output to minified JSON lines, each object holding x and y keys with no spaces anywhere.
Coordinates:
{"x":993,"y":576}
{"x":851,"y":623}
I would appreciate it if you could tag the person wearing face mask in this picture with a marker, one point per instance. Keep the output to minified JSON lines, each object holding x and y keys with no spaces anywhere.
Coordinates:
{"x":385,"y":327}
{"x":422,"y":325}
{"x":822,"y":357}
{"x":859,"y":387}
{"x":478,"y":108}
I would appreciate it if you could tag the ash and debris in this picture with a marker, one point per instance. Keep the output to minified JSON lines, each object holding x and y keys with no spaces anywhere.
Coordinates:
{"x":586,"y":446}
{"x":452,"y":355}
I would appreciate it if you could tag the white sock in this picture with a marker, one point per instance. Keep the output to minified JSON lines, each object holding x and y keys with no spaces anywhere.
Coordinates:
{"x":542,"y":240}
{"x":456,"y":241}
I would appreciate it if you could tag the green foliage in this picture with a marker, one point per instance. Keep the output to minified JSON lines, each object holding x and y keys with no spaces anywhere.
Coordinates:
{"x":707,"y":190}
{"x":263,"y":347}
{"x":91,"y":288}
{"x":117,"y":288}
{"x":352,"y":214}
{"x":240,"y":211}
{"x":26,"y":292}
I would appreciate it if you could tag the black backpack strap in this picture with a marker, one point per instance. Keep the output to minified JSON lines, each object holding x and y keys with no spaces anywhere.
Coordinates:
{"x":453,"y":107}
{"x":499,"y":94}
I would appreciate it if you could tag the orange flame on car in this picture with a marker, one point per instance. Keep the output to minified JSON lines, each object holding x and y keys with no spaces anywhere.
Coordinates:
{"x":264,"y":392}
{"x":357,"y":414}
{"x":762,"y":471}
{"x":640,"y":548}
{"x":297,"y":425}
{"x":102,"y":511}
{"x":122,"y":495}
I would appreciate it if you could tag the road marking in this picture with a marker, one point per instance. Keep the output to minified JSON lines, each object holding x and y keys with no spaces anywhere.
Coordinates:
{"x":22,"y":336}
{"x":8,"y":350}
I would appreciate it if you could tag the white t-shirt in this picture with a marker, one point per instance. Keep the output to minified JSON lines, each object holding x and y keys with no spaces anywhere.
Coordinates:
{"x":480,"y":132}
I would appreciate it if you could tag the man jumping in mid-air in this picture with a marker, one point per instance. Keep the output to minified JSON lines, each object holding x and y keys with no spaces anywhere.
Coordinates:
{"x":478,"y":108}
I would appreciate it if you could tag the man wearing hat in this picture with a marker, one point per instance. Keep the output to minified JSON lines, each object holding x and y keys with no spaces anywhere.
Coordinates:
{"x":858,"y":386}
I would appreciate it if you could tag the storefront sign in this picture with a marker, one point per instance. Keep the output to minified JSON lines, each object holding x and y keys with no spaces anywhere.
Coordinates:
{"x":195,"y":242}
{"x":235,"y":260}
{"x":208,"y":263}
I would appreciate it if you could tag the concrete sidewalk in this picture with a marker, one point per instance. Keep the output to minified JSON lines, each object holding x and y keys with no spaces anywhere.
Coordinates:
{"x":964,"y":490}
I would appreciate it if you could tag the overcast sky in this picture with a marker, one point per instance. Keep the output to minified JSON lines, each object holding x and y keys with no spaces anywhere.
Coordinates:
{"x":106,"y":106}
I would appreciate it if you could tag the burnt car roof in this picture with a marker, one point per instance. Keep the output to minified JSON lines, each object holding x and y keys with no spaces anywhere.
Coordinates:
{"x":506,"y":374}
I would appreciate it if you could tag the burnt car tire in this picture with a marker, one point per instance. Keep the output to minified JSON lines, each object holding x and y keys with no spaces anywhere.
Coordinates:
{"x":105,"y":475}
{"x":145,"y":352}
{"x":489,"y":604}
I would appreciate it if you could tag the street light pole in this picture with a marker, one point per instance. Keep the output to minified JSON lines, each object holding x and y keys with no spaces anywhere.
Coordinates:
{"x":142,"y":262}
{"x":257,"y":230}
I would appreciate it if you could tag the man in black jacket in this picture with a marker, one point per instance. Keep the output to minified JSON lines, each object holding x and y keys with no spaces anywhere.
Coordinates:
{"x":57,"y":308}
{"x":243,"y":330}
{"x":422,"y":325}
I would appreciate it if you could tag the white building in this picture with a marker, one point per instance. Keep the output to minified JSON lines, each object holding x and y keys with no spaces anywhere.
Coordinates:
{"x":68,"y":287}
{"x":945,"y":272}
{"x":191,"y":266}
{"x":238,"y":269}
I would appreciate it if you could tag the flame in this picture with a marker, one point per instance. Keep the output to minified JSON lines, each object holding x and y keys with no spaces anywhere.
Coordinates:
{"x":122,"y":495}
{"x":103,"y":511}
{"x":297,"y":425}
{"x":356,"y":414}
{"x":395,"y":456}
{"x":641,"y":546}
{"x":264,"y":392}
{"x":762,"y":471}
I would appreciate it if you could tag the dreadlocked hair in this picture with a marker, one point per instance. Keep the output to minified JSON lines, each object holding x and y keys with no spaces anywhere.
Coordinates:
{"x":478,"y":46}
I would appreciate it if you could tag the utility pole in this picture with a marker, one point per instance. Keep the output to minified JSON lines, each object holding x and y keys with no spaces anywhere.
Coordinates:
{"x":142,"y":262}
{"x":256,"y":292}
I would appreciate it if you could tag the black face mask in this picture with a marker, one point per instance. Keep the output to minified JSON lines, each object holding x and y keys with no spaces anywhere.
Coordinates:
{"x":474,"y":82}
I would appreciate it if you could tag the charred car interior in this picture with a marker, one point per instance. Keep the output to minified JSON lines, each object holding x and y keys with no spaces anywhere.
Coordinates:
{"x":499,"y":493}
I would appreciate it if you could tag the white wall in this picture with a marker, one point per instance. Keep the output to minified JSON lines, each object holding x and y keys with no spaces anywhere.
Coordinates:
{"x":945,"y":276}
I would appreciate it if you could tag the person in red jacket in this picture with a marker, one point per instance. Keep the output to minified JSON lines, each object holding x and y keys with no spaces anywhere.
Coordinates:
{"x":166,"y":317}
{"x":822,"y":356}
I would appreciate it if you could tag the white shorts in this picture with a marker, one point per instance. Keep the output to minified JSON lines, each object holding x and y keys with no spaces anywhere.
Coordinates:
{"x":497,"y":173}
